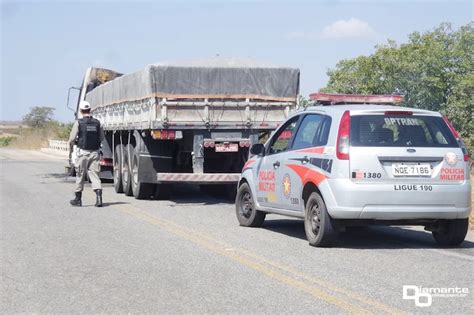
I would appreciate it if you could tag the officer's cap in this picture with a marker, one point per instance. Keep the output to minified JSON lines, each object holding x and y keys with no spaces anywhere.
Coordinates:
{"x":84,"y":105}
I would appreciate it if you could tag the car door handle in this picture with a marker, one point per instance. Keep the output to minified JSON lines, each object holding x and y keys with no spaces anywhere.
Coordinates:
{"x":276,"y":164}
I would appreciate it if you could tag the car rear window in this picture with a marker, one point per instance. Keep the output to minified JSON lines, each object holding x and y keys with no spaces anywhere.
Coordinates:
{"x":400,"y":131}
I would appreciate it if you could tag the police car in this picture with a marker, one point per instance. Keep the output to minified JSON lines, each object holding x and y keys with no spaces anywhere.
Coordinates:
{"x":352,"y":164}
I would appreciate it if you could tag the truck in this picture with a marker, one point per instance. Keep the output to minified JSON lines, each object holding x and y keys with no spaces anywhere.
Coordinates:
{"x":175,"y":123}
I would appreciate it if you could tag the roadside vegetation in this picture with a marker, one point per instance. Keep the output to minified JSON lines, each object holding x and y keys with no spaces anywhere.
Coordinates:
{"x":37,"y":127}
{"x":434,"y":70}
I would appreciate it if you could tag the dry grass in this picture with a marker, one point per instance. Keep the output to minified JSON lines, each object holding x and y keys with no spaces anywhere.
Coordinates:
{"x":19,"y":136}
{"x":33,"y":139}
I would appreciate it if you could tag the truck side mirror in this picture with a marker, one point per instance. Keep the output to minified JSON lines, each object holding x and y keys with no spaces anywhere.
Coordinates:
{"x":257,"y":149}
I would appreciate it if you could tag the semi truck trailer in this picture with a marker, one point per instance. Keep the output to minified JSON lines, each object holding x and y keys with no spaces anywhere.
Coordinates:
{"x":167,"y":124}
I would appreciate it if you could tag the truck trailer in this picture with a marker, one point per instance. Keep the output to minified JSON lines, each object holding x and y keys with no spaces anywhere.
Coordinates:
{"x":168,"y":124}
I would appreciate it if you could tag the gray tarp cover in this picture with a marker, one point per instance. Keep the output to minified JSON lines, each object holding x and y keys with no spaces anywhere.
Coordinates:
{"x":206,"y":81}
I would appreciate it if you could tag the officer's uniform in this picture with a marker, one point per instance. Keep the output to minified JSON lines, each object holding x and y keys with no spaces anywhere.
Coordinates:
{"x":87,"y":134}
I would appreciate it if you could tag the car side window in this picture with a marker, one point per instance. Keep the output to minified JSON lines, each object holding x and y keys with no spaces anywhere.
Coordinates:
{"x":313,"y":131}
{"x":281,"y":140}
{"x":307,"y":131}
{"x":321,"y":137}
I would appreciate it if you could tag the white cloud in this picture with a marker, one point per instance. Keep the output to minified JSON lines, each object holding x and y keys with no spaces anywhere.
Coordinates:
{"x":351,"y":28}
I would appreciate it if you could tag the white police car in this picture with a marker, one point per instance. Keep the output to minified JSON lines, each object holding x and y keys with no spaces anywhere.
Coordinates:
{"x":351,"y":164}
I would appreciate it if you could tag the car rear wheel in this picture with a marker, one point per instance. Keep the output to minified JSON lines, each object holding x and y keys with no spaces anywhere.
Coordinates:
{"x":118,"y":169}
{"x":318,"y":225}
{"x":245,"y":208}
{"x":451,"y":232}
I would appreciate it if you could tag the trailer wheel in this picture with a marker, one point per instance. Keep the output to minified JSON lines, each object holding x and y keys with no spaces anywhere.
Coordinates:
{"x":140,"y":190}
{"x":126,"y":176}
{"x":118,"y":185}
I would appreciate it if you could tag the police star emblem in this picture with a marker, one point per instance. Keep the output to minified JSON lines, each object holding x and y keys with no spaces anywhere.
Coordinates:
{"x":286,"y":186}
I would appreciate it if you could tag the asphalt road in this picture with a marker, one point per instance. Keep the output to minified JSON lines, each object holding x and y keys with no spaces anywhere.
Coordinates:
{"x":188,"y":255}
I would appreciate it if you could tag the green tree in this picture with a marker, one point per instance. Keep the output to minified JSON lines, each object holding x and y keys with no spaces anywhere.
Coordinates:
{"x":434,"y":70}
{"x":39,"y":116}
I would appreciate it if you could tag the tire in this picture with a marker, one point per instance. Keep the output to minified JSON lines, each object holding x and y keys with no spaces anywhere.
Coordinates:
{"x":162,"y":191}
{"x":245,"y":208}
{"x":118,"y":159}
{"x":318,"y":225}
{"x":126,"y":174}
{"x":451,"y":232}
{"x":139,"y":190}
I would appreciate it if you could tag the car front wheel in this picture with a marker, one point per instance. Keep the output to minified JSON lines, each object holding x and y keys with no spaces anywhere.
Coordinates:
{"x":245,"y":208}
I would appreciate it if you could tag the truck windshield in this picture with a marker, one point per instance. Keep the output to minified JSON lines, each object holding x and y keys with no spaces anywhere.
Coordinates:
{"x":400,"y":131}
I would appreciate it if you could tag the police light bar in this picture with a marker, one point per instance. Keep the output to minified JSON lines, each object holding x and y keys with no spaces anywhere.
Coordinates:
{"x":333,"y":99}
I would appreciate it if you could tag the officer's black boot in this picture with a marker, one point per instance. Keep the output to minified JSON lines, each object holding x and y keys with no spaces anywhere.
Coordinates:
{"x":98,"y":199}
{"x":77,"y":201}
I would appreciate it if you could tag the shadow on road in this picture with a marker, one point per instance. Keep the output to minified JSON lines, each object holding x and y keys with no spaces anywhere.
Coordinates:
{"x":373,"y":237}
{"x":189,"y":193}
{"x":105,"y":204}
{"x":56,"y":175}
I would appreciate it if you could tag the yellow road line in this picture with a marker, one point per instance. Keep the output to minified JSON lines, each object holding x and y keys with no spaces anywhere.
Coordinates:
{"x":295,"y":278}
{"x":352,"y":295}
{"x":291,"y":281}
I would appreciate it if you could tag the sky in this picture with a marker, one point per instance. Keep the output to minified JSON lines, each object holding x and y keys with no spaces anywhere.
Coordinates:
{"x":46,"y":46}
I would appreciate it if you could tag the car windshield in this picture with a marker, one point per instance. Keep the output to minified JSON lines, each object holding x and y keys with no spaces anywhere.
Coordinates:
{"x":400,"y":131}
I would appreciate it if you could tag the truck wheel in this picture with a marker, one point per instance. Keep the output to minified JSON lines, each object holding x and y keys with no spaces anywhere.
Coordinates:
{"x":126,"y":176}
{"x":318,"y":225}
{"x":451,"y":232}
{"x":245,"y":208}
{"x":140,"y":190}
{"x":118,"y":186}
{"x":162,"y":191}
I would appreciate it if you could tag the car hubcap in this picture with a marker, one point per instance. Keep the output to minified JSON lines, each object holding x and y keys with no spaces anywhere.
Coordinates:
{"x":315,"y":219}
{"x":247,"y":205}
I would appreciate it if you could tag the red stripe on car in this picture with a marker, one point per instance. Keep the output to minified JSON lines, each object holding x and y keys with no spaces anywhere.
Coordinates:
{"x":307,"y":175}
{"x":319,"y":150}
{"x":247,"y":164}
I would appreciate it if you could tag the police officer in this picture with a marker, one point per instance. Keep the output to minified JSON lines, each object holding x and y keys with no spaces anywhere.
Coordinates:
{"x":87,"y":134}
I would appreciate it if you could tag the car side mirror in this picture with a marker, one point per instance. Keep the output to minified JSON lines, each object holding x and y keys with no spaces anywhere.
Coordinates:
{"x":257,"y":149}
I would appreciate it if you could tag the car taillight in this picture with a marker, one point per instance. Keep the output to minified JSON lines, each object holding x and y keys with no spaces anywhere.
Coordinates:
{"x":105,"y":162}
{"x":342,"y":150}
{"x":458,"y":138}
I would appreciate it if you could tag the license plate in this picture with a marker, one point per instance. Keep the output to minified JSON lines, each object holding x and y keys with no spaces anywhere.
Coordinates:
{"x":227,"y":147}
{"x":400,"y":169}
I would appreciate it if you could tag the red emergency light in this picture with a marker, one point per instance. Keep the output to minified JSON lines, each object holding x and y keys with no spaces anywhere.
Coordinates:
{"x":333,"y":99}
